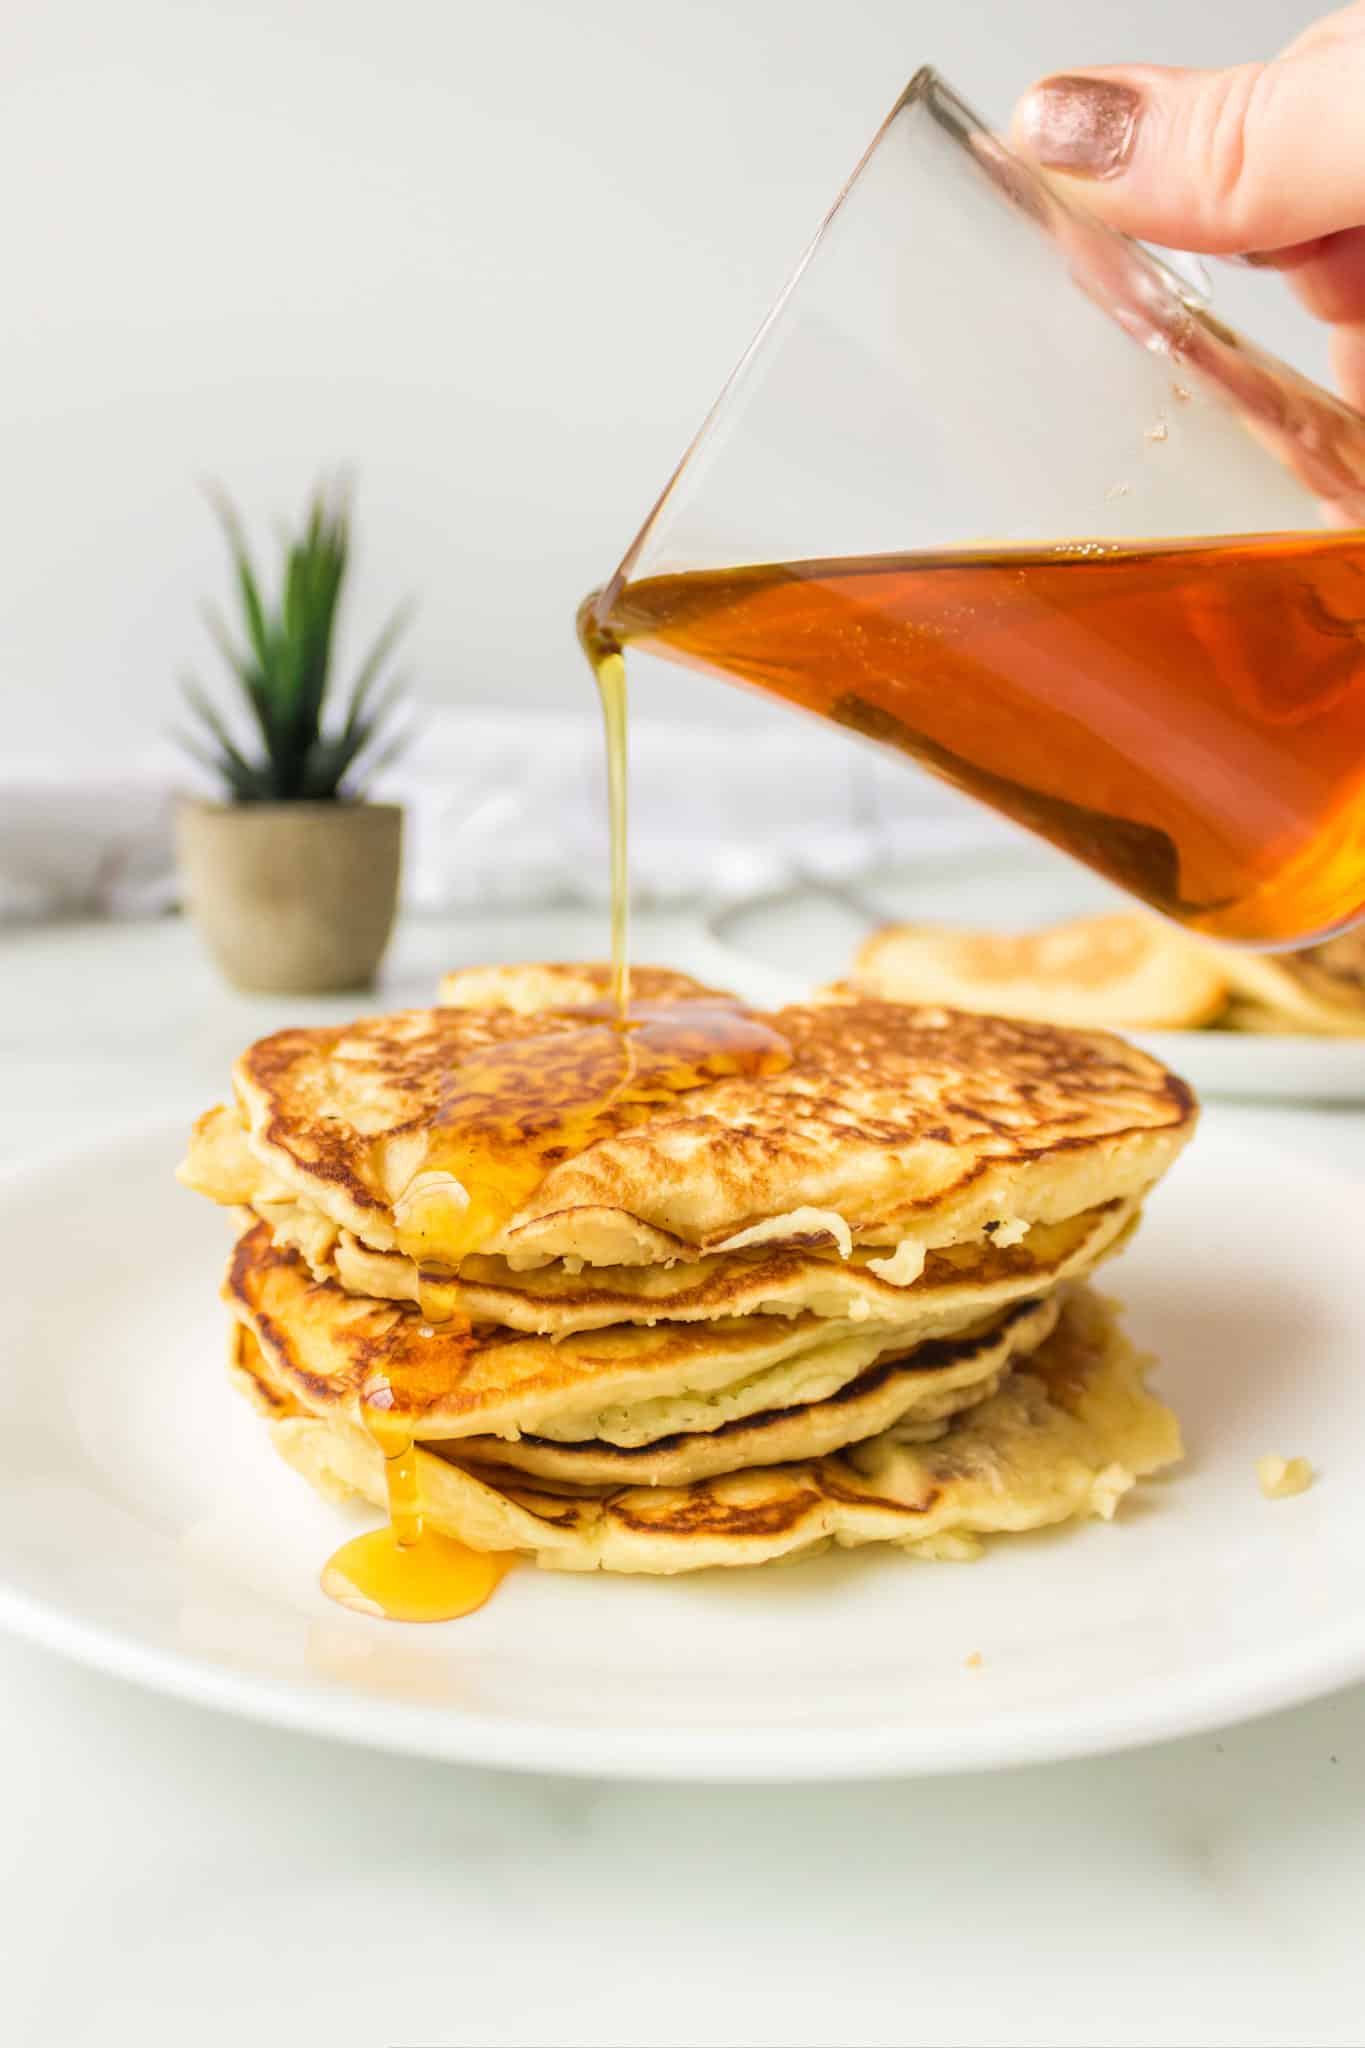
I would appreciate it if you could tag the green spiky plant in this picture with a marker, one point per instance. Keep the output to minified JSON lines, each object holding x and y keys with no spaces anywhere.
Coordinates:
{"x":282,"y":665}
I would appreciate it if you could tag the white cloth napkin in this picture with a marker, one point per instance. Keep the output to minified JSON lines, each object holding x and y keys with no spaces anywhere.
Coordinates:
{"x":88,"y":844}
{"x":511,"y":809}
{"x":508,"y":811}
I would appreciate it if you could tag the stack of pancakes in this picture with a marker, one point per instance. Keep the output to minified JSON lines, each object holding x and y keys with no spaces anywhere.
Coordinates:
{"x":841,"y":1301}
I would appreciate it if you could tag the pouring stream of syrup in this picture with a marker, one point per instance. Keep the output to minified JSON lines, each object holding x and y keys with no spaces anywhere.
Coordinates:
{"x":508,"y":1113}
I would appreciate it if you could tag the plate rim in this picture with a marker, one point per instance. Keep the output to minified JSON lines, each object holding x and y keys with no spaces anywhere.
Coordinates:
{"x":755,"y":1754}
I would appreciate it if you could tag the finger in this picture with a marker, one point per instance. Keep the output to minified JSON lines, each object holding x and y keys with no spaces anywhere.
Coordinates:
{"x":1348,"y":363}
{"x":1329,"y":275}
{"x":1329,"y":30}
{"x":1258,"y":157}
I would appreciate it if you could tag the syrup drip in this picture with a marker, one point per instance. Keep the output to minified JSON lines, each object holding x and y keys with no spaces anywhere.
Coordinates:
{"x":406,"y":1571}
{"x":508,"y":1114}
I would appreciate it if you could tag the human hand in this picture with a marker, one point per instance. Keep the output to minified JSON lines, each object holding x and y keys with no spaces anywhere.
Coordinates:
{"x":1264,"y":161}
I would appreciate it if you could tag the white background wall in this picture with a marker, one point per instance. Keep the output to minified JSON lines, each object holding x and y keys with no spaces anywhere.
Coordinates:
{"x":495,"y":257}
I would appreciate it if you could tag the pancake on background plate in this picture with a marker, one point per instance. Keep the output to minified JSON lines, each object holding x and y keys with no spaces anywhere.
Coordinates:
{"x":1319,"y":990}
{"x":836,"y":1295}
{"x":1124,"y":971}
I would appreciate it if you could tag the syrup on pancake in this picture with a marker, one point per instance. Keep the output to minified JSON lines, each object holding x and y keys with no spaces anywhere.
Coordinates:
{"x":508,"y":1112}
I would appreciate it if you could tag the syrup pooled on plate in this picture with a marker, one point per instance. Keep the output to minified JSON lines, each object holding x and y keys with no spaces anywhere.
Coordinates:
{"x":1188,"y":717}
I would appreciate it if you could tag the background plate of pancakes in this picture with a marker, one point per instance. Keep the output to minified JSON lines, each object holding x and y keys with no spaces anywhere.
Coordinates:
{"x":148,"y":1528}
{"x":1267,"y":1027}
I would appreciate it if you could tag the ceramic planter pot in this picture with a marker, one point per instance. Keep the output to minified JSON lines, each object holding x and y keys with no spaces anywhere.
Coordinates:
{"x":292,"y":899}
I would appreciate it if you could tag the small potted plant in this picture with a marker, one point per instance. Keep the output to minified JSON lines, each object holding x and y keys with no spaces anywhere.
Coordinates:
{"x":292,"y":879}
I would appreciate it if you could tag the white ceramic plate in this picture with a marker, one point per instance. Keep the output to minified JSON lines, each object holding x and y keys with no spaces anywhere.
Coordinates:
{"x":778,"y":947}
{"x":147,"y":1527}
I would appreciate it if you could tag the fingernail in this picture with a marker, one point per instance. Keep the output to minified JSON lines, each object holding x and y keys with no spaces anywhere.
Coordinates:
{"x":1082,"y":125}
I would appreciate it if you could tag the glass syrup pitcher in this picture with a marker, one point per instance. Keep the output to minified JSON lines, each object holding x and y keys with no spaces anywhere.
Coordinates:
{"x":992,"y":489}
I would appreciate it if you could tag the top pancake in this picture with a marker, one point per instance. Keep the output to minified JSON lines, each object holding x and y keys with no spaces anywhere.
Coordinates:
{"x":897,"y":1127}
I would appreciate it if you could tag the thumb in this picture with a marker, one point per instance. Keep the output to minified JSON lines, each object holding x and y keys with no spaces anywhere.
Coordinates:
{"x":1258,"y":157}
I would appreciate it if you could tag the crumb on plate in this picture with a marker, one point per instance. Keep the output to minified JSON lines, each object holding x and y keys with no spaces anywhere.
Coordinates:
{"x":1278,"y":1478}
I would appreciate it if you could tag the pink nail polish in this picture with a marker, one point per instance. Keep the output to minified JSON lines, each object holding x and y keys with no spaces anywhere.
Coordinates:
{"x":1081,"y":125}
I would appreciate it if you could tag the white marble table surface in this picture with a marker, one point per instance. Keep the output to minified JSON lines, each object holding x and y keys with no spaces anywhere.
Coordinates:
{"x":169,"y":1876}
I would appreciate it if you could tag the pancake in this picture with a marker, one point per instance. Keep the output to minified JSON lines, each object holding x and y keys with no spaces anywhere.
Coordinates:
{"x":1260,"y":1020}
{"x":1063,"y":1438}
{"x":1122,"y":970}
{"x":773,"y":1280}
{"x":534,"y":988}
{"x":895,"y":1128}
{"x":917,"y":1394}
{"x":1319,"y":990}
{"x":626,"y":1385}
{"x":1125,"y":970}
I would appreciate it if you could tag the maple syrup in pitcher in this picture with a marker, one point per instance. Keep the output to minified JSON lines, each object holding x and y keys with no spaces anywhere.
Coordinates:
{"x":1187,"y":717}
